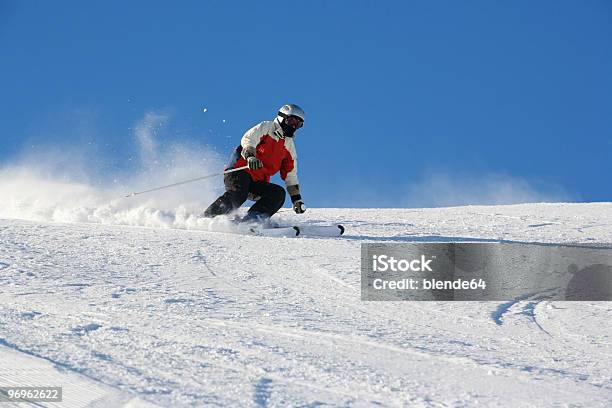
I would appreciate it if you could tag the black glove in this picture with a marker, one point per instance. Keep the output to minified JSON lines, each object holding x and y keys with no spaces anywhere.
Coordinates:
{"x":299,"y":207}
{"x":254,"y":163}
{"x":296,"y":199}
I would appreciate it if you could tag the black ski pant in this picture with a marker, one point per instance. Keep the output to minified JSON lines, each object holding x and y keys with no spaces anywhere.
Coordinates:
{"x":238,"y":186}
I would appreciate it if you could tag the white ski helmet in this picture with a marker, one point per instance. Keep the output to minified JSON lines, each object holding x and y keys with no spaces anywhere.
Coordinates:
{"x":290,"y":110}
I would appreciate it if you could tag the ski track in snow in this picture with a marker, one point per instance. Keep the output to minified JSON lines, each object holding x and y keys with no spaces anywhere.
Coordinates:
{"x":192,"y":318}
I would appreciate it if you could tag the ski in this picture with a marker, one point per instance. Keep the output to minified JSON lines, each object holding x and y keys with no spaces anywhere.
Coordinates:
{"x":294,"y":231}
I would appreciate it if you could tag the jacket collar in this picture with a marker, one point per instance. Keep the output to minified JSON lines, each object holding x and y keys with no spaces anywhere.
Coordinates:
{"x":278,"y":130}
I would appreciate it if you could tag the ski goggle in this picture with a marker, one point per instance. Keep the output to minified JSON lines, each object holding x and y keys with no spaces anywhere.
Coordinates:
{"x":294,"y":122}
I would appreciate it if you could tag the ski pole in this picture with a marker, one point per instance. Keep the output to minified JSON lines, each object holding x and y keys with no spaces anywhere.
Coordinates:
{"x":186,"y":181}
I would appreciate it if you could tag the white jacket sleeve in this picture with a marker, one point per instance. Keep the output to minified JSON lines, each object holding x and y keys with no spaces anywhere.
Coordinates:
{"x":290,"y":166}
{"x":253,"y":136}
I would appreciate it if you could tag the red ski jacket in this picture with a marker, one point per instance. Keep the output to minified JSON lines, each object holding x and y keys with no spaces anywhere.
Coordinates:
{"x":276,"y":152}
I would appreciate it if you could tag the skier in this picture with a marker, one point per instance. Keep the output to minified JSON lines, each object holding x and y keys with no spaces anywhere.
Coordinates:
{"x":266,"y":149}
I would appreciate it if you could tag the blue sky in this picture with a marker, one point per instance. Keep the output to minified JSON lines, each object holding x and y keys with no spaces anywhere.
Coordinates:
{"x":397,"y":93}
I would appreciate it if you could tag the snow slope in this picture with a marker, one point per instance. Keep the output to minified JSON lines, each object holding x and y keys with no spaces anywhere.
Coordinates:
{"x":190,"y":317}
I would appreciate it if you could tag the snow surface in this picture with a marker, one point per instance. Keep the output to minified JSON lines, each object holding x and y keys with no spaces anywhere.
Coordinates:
{"x":139,"y":305}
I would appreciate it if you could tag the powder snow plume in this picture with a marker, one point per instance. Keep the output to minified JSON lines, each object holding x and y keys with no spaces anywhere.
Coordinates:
{"x":51,"y":187}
